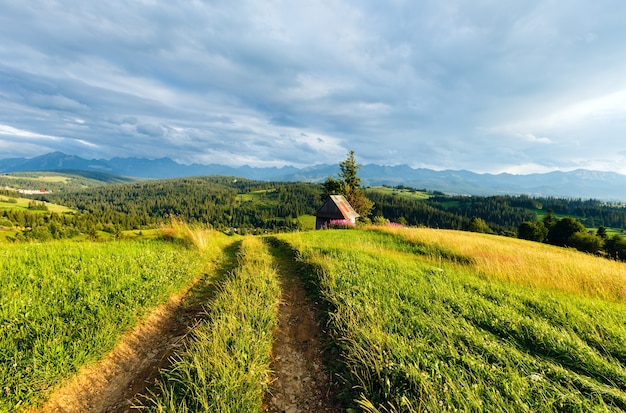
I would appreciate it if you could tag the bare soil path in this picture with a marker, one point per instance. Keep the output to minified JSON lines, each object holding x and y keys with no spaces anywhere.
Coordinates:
{"x":301,"y":381}
{"x":112,"y":385}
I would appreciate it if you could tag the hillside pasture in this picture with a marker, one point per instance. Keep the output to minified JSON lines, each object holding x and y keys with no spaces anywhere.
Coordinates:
{"x":421,"y":323}
{"x":65,"y":304}
{"x":22,"y":203}
{"x":401,"y":193}
{"x":418,"y":320}
{"x":528,"y":263}
{"x":67,"y":180}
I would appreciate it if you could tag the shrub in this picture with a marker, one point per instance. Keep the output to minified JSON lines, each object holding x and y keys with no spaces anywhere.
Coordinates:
{"x":340,"y":224}
{"x":616,"y":247}
{"x":532,"y":231}
{"x":380,"y":220}
{"x":586,"y":242}
{"x":479,"y":225}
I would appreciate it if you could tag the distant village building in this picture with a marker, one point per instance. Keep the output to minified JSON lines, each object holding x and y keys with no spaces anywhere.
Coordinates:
{"x":33,"y":191}
{"x":336,"y":207}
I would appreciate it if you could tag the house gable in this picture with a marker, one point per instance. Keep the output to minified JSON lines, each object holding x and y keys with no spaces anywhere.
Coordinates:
{"x":336,"y":207}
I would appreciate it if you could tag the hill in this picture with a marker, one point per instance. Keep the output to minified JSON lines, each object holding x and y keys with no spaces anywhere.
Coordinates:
{"x":411,"y":320}
{"x":59,"y":180}
{"x":574,"y":184}
{"x":436,"y":320}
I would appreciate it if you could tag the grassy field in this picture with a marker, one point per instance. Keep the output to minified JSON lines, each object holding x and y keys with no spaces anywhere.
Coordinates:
{"x":420,"y":320}
{"x":226,"y":366}
{"x":41,"y":178}
{"x":22,"y":203}
{"x":401,"y":193}
{"x":65,"y":304}
{"x":59,"y":181}
{"x":424,"y":322}
{"x":532,"y":264}
{"x":257,"y":196}
{"x":307,"y":222}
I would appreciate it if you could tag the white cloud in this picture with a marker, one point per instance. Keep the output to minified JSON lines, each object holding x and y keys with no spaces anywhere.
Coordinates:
{"x":482,"y":86}
{"x":11,"y":131}
{"x":529,"y":137}
{"x":598,"y":108}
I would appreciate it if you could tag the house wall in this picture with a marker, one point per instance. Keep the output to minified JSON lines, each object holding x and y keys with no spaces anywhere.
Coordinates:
{"x":323,"y":222}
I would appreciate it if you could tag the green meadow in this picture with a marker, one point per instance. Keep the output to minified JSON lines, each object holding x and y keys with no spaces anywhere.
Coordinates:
{"x":226,"y":367}
{"x":65,"y":304}
{"x":418,"y":326}
{"x":22,"y":204}
{"x":401,"y":193}
{"x":419,"y":320}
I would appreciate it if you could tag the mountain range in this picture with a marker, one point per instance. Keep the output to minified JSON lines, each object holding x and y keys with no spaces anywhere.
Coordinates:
{"x":580,"y":183}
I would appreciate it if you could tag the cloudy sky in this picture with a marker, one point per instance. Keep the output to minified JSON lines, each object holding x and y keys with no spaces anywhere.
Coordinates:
{"x":514,"y":86}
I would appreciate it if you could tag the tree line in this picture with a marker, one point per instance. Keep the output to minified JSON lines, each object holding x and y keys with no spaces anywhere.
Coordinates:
{"x":218,"y":201}
{"x":230,"y":202}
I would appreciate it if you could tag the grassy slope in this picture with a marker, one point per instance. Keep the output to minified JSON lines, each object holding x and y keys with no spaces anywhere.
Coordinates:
{"x":401,"y":193}
{"x":422,"y":320}
{"x":22,"y":203}
{"x":226,"y":366}
{"x":421,"y":326}
{"x":65,"y":304}
{"x":59,"y":180}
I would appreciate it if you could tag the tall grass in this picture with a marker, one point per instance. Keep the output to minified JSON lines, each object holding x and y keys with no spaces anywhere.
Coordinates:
{"x":529,"y":263}
{"x":225,"y":367}
{"x":201,"y":237}
{"x":418,"y":329}
{"x":65,"y":304}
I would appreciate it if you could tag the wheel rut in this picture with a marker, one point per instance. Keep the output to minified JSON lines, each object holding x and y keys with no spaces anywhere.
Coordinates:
{"x":113,"y":384}
{"x":301,"y":382}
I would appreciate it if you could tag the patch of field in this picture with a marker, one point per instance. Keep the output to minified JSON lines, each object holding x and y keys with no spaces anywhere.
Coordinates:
{"x":34,"y":176}
{"x":401,"y":193}
{"x":529,"y":263}
{"x":65,"y":304}
{"x":256,"y":196}
{"x":59,"y":181}
{"x":22,"y":203}
{"x":52,"y":178}
{"x":428,"y":321}
{"x":307,"y":222}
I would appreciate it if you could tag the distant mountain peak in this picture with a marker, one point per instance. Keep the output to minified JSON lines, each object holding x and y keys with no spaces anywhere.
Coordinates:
{"x":580,"y":183}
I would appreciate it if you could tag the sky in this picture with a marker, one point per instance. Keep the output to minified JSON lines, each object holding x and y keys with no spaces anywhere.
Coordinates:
{"x":517,"y":86}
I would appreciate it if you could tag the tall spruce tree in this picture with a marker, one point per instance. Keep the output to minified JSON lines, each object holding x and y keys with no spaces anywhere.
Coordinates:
{"x":349,"y":185}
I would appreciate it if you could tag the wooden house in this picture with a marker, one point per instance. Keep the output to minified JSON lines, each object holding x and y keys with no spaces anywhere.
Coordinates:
{"x":336,"y":207}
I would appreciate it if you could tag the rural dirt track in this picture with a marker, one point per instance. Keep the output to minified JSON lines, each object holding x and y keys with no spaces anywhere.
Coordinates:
{"x":113,"y":384}
{"x":301,"y":382}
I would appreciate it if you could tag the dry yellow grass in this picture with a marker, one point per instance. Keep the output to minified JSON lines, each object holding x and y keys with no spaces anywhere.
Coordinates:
{"x":203,"y":238}
{"x":529,"y":263}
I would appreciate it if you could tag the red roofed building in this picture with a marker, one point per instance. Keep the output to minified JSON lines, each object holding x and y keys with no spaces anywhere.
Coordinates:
{"x":336,"y":207}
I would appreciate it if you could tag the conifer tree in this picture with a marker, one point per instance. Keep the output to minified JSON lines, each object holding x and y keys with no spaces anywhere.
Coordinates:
{"x":349,"y":185}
